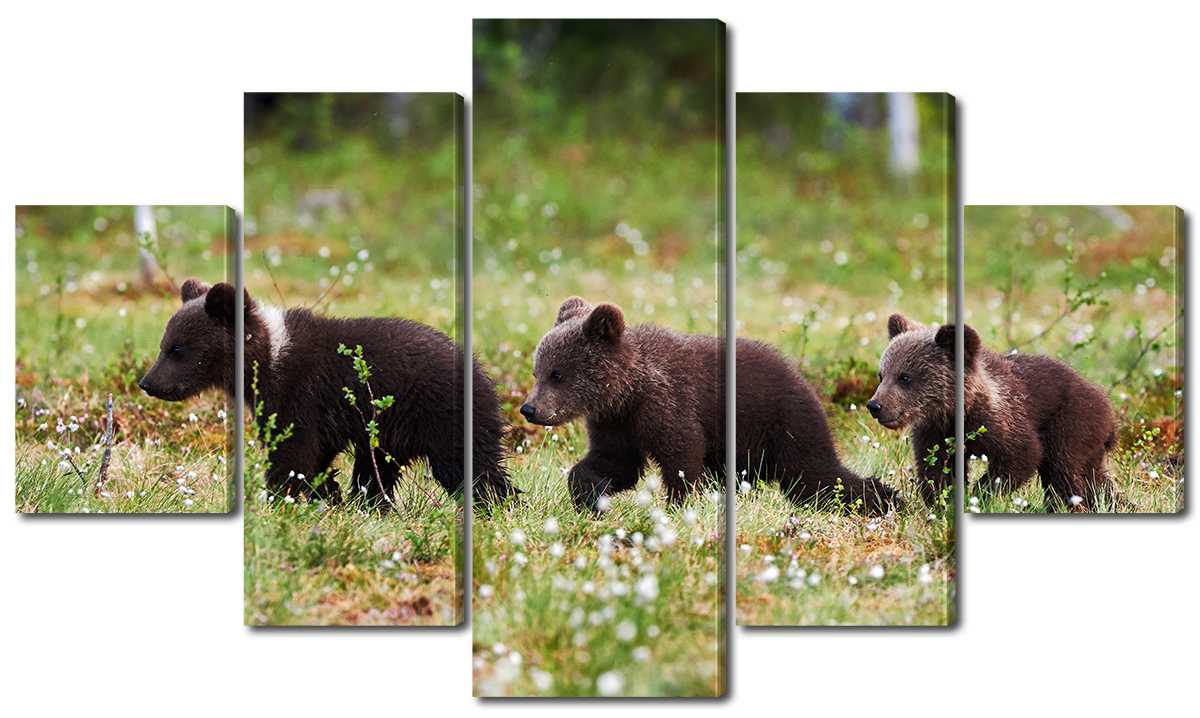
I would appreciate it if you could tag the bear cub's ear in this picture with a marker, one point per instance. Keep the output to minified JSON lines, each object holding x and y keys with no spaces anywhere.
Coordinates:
{"x":571,"y":308}
{"x":192,"y":289}
{"x":898,"y":324}
{"x":945,"y":339}
{"x":605,"y":323}
{"x":219,"y":302}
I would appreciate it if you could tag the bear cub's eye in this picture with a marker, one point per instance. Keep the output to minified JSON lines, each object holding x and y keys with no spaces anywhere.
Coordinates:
{"x":905,"y":378}
{"x":176,"y":350}
{"x":555,"y":376}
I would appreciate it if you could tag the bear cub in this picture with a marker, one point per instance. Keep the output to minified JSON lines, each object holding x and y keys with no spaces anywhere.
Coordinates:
{"x":1040,"y":415}
{"x":300,"y":379}
{"x":647,"y":393}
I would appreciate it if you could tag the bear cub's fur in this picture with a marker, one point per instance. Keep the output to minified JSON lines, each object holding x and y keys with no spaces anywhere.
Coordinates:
{"x":1039,"y":414}
{"x":300,"y":379}
{"x":647,"y":393}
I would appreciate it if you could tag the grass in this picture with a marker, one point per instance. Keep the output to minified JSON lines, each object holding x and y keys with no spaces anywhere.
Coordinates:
{"x":816,"y":565}
{"x":363,"y":225}
{"x":574,"y":604}
{"x":87,"y":325}
{"x":312,"y":564}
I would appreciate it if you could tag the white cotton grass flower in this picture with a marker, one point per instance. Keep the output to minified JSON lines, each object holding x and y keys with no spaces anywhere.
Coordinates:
{"x":542,"y":681}
{"x":517,"y":537}
{"x":643,"y":499}
{"x":768,"y":575}
{"x":551,"y":526}
{"x":641,"y":654}
{"x":876,"y":571}
{"x":1153,"y":474}
{"x":653,"y":483}
{"x":626,"y":630}
{"x":813,"y":579}
{"x":556,"y":549}
{"x":745,"y":487}
{"x":646,"y":587}
{"x":983,"y":458}
{"x":747,"y":548}
{"x":924,"y":575}
{"x":610,"y":683}
{"x":221,"y":414}
{"x":1076,"y":500}
{"x":581,"y":563}
{"x":129,"y":494}
{"x":189,"y":502}
{"x":520,"y":559}
{"x":193,"y":418}
{"x":603,"y":504}
{"x":486,"y":591}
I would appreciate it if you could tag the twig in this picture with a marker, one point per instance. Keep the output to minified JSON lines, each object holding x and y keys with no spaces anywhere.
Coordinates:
{"x":108,"y":438}
{"x":378,"y":477}
{"x":1066,"y":313}
{"x":331,"y":299}
{"x":66,"y":455}
{"x":267,"y":264}
{"x":331,"y":285}
{"x":1145,"y":350}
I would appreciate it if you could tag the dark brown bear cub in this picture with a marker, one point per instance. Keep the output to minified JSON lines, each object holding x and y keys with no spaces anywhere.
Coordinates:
{"x":650,"y":394}
{"x":1039,"y":414}
{"x":782,"y":434}
{"x":300,"y":379}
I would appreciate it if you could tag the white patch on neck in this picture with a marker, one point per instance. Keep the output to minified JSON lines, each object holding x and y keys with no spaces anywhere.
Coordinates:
{"x":277,"y":333}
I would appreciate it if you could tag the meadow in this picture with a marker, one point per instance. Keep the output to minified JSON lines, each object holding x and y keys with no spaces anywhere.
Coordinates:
{"x":593,"y":177}
{"x":88,"y":324}
{"x":351,"y":212}
{"x":829,"y":244}
{"x":1097,"y":289}
{"x":629,"y":602}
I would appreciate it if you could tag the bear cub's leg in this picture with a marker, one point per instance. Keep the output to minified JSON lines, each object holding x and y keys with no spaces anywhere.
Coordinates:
{"x":603,"y":472}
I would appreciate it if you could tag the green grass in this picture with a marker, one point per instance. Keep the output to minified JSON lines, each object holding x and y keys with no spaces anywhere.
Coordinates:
{"x":562,"y":598}
{"x":313,"y":564}
{"x":816,"y":565}
{"x":87,"y":325}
